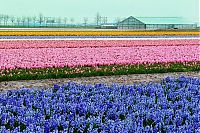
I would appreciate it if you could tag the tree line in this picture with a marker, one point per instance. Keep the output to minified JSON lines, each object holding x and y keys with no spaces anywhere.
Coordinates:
{"x":41,"y":20}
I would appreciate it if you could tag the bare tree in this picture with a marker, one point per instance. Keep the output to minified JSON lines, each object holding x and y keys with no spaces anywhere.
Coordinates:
{"x":72,"y":21}
{"x":104,"y":20}
{"x":6,"y":18}
{"x":12,"y":18}
{"x":1,"y":18}
{"x":46,"y":20}
{"x":29,"y":19}
{"x":23,"y":20}
{"x":97,"y":19}
{"x":58,"y":20}
{"x":52,"y":21}
{"x":85,"y":20}
{"x":65,"y":20}
{"x":18,"y":21}
{"x":41,"y":19}
{"x":34,"y":18}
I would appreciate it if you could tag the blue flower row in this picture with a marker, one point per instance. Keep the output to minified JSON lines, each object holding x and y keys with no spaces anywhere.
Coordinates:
{"x":62,"y":37}
{"x":169,"y":106}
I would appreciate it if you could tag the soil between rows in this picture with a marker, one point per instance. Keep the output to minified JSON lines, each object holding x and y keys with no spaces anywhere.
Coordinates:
{"x":120,"y":79}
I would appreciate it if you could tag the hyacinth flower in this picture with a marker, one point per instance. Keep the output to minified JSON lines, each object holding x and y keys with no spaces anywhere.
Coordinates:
{"x":169,"y":106}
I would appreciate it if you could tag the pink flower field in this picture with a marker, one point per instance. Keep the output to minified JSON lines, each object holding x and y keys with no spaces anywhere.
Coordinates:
{"x":61,"y":53}
{"x":20,"y":44}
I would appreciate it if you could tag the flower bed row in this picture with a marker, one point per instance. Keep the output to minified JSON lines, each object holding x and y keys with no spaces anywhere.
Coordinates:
{"x":61,"y":57}
{"x":95,"y":33}
{"x":62,"y":37}
{"x":169,"y":106}
{"x":21,"y":44}
{"x":86,"y":71}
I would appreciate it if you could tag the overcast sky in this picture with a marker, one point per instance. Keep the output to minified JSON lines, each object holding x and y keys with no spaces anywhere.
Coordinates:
{"x":111,"y":8}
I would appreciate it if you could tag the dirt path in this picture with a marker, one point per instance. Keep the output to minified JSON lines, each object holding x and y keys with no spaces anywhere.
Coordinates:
{"x":121,"y":79}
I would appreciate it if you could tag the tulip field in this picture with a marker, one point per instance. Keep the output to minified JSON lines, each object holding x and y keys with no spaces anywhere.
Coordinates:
{"x":171,"y":105}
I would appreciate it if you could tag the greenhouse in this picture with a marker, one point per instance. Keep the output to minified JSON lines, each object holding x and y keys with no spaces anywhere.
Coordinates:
{"x":155,"y":23}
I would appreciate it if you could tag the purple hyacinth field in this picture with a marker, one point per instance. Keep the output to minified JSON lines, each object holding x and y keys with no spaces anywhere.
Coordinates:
{"x":173,"y":105}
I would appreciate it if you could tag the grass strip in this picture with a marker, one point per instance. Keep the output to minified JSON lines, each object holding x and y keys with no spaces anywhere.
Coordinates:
{"x":86,"y":71}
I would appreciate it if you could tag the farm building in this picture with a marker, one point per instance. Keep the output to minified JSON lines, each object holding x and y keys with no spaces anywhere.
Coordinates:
{"x":155,"y":23}
{"x":109,"y":26}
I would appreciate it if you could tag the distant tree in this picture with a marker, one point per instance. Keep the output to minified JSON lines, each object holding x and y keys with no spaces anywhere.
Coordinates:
{"x":1,"y":18}
{"x":34,"y":18}
{"x":98,"y":19}
{"x":5,"y":18}
{"x":58,"y":20}
{"x":41,"y":18}
{"x":29,"y":19}
{"x":18,"y":21}
{"x":52,"y":21}
{"x":85,"y":20}
{"x":104,"y":20}
{"x":23,"y":20}
{"x":46,"y":20}
{"x":65,"y":20}
{"x":12,"y":18}
{"x":72,"y":21}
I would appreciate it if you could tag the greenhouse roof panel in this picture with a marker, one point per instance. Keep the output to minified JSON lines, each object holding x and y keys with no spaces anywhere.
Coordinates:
{"x":163,"y":20}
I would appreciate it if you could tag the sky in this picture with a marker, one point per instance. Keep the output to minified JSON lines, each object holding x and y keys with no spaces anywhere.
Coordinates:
{"x":78,"y":9}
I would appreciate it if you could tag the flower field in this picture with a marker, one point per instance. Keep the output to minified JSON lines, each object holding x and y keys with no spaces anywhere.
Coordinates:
{"x":95,"y":33}
{"x":71,"y":57}
{"x":75,"y":37}
{"x":71,"y":53}
{"x":59,"y":54}
{"x":169,"y":106}
{"x":97,"y":42}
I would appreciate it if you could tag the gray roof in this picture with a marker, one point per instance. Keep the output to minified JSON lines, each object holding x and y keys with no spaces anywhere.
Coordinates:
{"x":163,"y":20}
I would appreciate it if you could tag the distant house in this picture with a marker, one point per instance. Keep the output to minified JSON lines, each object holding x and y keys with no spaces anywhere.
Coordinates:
{"x":155,"y":23}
